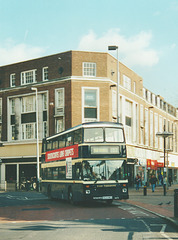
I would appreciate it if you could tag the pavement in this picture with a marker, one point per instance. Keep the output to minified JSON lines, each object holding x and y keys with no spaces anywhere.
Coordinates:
{"x":155,"y":202}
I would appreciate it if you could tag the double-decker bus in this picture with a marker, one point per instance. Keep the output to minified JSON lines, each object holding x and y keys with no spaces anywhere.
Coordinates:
{"x":85,"y":163}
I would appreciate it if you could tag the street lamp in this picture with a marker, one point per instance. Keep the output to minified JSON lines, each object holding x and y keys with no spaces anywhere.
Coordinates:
{"x":111,"y":48}
{"x":164,"y":135}
{"x":37,"y":140}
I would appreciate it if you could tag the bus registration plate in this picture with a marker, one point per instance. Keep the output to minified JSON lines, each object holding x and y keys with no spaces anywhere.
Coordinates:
{"x":103,"y":197}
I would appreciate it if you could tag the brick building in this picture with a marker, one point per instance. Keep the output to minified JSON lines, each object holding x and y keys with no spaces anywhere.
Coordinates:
{"x":75,"y":87}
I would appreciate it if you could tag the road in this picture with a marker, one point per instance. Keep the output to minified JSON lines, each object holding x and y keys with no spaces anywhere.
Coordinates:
{"x":30,"y":215}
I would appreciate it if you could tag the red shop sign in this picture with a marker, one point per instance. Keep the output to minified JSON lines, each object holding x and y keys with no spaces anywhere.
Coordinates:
{"x":62,"y":153}
{"x":152,"y":164}
{"x":160,"y":164}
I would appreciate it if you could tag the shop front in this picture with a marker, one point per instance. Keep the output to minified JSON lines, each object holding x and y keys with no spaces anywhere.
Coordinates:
{"x":18,"y":174}
{"x":151,"y":169}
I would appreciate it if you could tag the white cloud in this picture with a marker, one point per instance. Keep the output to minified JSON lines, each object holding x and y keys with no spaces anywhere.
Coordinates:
{"x":133,"y":51}
{"x":173,"y":46}
{"x":12,"y":53}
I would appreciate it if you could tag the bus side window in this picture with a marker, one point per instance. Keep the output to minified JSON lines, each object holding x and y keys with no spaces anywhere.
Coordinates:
{"x":62,"y":172}
{"x":49,"y":173}
{"x":69,"y":139}
{"x":55,"y":173}
{"x":78,"y":136}
{"x":61,"y":142}
{"x":55,"y":144}
{"x":44,"y":173}
{"x":49,"y":147}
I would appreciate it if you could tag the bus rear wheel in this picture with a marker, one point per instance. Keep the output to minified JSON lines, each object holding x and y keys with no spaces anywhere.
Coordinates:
{"x":70,"y":196}
{"x":49,"y":192}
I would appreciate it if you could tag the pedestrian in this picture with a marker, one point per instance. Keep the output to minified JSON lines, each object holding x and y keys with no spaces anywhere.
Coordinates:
{"x":153,"y":181}
{"x":160,"y":178}
{"x":137,"y":182}
{"x":170,"y":180}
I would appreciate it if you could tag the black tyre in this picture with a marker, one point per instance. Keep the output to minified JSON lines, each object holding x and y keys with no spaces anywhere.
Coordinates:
{"x":49,"y":192}
{"x":109,"y":202}
{"x":70,"y":196}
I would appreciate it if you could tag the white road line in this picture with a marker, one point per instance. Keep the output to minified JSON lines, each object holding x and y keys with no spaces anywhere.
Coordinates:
{"x":146,"y":225}
{"x":162,"y":231}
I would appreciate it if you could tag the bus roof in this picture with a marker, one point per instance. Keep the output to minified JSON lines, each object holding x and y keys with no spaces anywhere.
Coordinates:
{"x":87,"y":125}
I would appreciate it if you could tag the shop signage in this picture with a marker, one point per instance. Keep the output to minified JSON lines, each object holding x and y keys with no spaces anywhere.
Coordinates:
{"x":160,"y":164}
{"x":152,"y":164}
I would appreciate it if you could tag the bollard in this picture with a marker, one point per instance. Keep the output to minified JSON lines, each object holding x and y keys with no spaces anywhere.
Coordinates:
{"x":145,"y":190}
{"x":175,"y":202}
{"x":164,"y":187}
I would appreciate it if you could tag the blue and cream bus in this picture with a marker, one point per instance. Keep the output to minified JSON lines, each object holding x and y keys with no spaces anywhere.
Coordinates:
{"x":85,"y":163}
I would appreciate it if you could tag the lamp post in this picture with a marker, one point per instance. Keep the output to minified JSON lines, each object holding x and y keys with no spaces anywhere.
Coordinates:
{"x":167,"y":150}
{"x":37,"y":140}
{"x":111,"y":48}
{"x":165,"y":135}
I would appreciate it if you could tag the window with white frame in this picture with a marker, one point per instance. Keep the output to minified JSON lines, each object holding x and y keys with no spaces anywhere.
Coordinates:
{"x":12,"y":106}
{"x":0,"y":110}
{"x":146,"y":127}
{"x":13,"y":132}
{"x":28,"y":131}
{"x":126,"y":82}
{"x":90,"y":104}
{"x":141,"y":116}
{"x":158,"y":101}
{"x":134,"y":87}
{"x":153,"y":99}
{"x":128,"y":121}
{"x":45,"y":74}
{"x":151,"y":129}
{"x":45,"y":102}
{"x":175,"y":137}
{"x":45,"y":129}
{"x":156,"y":130}
{"x":144,"y":93}
{"x":28,"y":104}
{"x":0,"y":131}
{"x":89,"y":69}
{"x":12,"y":80}
{"x":59,"y":125}
{"x":28,"y":77}
{"x":59,"y":102}
{"x":114,"y":104}
{"x":141,"y":125}
{"x":148,"y":96}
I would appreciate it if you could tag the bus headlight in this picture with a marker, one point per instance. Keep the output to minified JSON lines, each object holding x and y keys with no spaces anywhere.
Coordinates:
{"x":87,"y":191}
{"x":124,"y":190}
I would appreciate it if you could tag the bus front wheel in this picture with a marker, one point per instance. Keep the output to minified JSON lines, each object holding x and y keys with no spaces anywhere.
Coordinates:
{"x":109,"y":201}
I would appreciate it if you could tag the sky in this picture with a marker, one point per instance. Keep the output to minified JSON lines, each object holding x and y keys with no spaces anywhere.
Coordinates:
{"x":145,"y":30}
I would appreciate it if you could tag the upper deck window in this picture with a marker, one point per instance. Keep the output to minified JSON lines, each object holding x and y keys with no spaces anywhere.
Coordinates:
{"x":93,"y":135}
{"x":114,"y":135}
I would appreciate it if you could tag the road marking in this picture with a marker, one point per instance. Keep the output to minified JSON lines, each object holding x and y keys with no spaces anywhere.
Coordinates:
{"x":133,"y":210}
{"x":146,"y":225}
{"x":163,"y":227}
{"x":164,"y":235}
{"x":162,"y":231}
